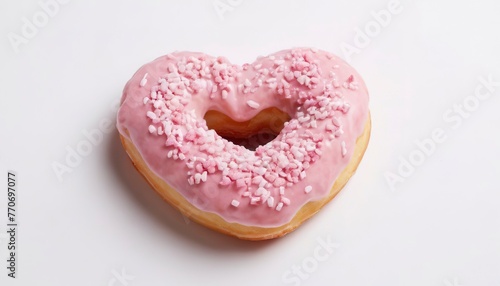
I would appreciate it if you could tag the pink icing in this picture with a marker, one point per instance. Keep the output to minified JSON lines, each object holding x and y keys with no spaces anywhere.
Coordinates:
{"x":164,"y":103}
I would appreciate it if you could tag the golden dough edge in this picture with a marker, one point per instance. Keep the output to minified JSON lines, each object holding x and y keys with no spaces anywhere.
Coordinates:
{"x":254,"y":233}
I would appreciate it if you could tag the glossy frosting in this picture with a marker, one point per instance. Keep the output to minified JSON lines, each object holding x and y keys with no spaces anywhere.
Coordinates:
{"x":162,"y":112}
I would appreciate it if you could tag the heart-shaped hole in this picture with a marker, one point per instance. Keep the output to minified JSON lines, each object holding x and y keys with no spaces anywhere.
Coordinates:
{"x":259,"y":130}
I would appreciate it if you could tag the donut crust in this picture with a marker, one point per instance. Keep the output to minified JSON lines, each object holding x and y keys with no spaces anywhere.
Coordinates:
{"x":217,"y":223}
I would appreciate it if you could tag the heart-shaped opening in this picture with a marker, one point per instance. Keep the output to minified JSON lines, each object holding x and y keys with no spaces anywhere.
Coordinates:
{"x":259,"y":130}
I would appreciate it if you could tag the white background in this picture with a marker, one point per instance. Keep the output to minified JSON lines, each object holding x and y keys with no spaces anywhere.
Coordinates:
{"x":440,"y":227}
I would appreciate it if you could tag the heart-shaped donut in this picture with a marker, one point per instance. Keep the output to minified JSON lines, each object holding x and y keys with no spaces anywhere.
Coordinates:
{"x":251,"y":194}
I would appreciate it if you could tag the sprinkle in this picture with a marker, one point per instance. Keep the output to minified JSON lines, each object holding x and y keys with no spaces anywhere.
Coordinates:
{"x":303,"y":175}
{"x":336,"y":121}
{"x":253,"y":104}
{"x":152,"y":129}
{"x":270,"y":202}
{"x":144,"y":80}
{"x":308,"y":189}
{"x":254,"y":200}
{"x":235,"y":203}
{"x":145,"y":100}
{"x":302,"y":79}
{"x":286,"y":201}
{"x":151,"y":115}
{"x":282,"y":190}
{"x":344,"y":149}
{"x":260,"y":191}
{"x":248,"y":83}
{"x":279,"y":206}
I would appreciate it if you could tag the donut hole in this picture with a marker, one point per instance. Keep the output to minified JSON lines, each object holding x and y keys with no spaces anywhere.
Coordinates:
{"x":259,"y":130}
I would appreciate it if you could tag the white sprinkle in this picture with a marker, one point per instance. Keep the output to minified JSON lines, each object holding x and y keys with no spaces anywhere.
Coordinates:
{"x":253,"y":104}
{"x":235,"y":203}
{"x":247,"y":194}
{"x":151,"y":115}
{"x":270,"y":202}
{"x":262,"y":183}
{"x":344,"y":148}
{"x":144,"y":80}
{"x":279,"y":207}
{"x":302,"y":175}
{"x":286,"y":201}
{"x":302,"y":79}
{"x":258,"y":66}
{"x":145,"y":100}
{"x":336,"y":121}
{"x":204,"y":176}
{"x":308,"y":189}
{"x":260,"y":191}
{"x":314,"y":124}
{"x":330,"y":127}
{"x":248,"y":83}
{"x":282,"y":190}
{"x":261,"y":171}
{"x":151,"y":129}
{"x":254,"y":200}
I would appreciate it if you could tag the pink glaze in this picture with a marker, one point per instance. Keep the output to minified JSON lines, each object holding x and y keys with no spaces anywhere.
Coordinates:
{"x":164,"y":103}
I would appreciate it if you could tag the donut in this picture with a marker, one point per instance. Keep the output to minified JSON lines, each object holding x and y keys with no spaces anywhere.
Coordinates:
{"x":183,"y":118}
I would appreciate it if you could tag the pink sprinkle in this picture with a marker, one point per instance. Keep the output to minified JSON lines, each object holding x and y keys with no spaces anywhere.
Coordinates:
{"x":253,"y":104}
{"x":240,"y":183}
{"x":225,"y":181}
{"x":235,"y":203}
